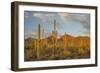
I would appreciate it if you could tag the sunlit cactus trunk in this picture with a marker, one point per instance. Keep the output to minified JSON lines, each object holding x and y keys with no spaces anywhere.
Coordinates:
{"x":45,"y":40}
{"x":35,"y":44}
{"x":65,"y":39}
{"x":38,"y":43}
{"x":54,"y":38}
{"x":42,"y":42}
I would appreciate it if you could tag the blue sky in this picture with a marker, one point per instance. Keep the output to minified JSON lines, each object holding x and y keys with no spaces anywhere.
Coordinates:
{"x":75,"y":24}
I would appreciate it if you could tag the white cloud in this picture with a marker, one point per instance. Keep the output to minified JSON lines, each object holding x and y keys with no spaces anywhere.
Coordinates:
{"x":63,"y":16}
{"x":43,"y":15}
{"x":37,"y":14}
{"x":84,"y":19}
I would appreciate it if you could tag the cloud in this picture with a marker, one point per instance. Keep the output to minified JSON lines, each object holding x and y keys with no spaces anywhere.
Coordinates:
{"x":48,"y":17}
{"x":84,"y":19}
{"x":43,"y":15}
{"x":38,"y":14}
{"x":63,"y":16}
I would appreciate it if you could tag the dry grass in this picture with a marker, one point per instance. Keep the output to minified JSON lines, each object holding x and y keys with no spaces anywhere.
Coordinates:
{"x":57,"y":49}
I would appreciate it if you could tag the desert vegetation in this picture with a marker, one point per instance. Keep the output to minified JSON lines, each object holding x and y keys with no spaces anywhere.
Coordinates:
{"x":53,"y":48}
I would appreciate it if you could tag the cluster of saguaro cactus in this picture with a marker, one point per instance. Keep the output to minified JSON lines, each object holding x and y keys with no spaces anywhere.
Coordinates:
{"x":50,"y":47}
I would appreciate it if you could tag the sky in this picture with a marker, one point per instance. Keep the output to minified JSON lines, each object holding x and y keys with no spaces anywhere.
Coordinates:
{"x":75,"y":24}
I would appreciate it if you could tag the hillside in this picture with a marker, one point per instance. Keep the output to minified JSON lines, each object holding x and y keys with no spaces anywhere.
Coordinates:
{"x":53,"y":48}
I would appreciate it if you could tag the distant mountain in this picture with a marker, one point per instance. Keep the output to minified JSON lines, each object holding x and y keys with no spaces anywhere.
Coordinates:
{"x":64,"y":38}
{"x":29,"y":39}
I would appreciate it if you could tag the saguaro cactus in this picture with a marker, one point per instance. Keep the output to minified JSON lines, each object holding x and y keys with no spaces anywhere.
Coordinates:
{"x":38,"y":42}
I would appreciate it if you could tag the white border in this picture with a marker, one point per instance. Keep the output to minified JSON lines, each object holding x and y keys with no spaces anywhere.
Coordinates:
{"x":33,"y":64}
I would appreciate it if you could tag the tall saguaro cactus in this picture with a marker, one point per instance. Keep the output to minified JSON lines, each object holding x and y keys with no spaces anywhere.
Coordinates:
{"x":38,"y":45}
